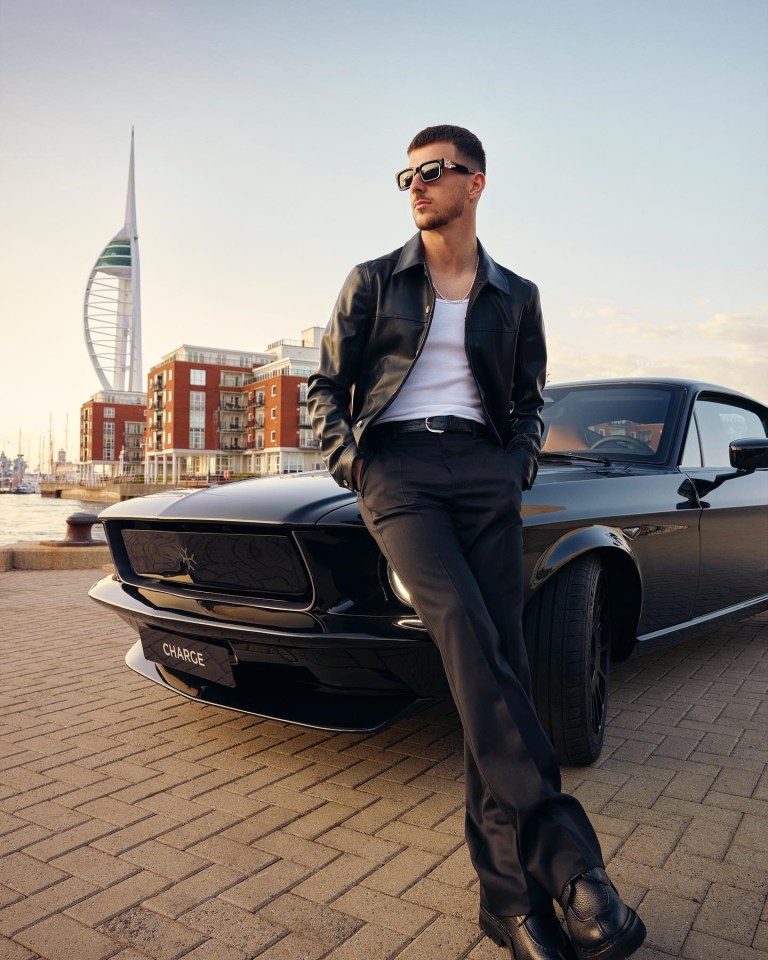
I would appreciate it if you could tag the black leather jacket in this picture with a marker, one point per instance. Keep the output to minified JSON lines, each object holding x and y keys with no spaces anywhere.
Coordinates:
{"x":377,"y":330}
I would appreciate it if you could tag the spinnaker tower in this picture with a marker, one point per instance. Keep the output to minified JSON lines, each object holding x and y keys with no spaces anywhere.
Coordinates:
{"x":112,"y":307}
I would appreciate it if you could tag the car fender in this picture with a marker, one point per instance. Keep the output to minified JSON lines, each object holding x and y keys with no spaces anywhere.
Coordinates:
{"x":575,"y":543}
{"x":623,"y":569}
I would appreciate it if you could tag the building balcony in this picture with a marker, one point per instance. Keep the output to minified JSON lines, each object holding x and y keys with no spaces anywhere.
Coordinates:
{"x":232,"y":405}
{"x":309,"y":443}
{"x":232,"y":427}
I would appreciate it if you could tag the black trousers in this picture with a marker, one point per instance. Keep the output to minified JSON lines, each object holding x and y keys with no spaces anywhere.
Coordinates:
{"x":445,"y":511}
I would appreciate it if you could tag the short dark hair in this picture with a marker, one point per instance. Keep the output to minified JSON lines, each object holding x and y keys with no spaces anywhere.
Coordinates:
{"x":465,"y":142}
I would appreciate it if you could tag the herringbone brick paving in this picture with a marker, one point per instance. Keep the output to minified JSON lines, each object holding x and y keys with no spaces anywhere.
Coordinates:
{"x":135,"y":825}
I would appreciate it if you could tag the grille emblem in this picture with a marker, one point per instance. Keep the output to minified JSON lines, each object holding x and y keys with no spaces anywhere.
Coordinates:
{"x":187,"y":561}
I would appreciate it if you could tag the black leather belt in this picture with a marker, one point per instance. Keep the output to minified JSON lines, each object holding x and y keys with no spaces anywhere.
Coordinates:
{"x":448,"y":424}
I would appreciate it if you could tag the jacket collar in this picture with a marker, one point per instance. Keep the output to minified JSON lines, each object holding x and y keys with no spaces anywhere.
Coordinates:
{"x":412,"y":255}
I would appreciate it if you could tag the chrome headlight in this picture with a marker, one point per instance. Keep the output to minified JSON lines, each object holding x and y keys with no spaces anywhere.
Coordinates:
{"x":398,"y":587}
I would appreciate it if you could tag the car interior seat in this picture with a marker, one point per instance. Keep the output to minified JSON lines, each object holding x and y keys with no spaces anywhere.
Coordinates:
{"x":564,"y":436}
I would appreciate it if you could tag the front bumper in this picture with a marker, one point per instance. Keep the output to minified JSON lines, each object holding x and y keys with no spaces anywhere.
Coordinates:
{"x":352,"y":681}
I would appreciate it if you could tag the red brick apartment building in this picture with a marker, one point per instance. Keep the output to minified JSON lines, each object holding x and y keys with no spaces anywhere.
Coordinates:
{"x":208,"y":412}
{"x":226,"y":413}
{"x":112,"y":434}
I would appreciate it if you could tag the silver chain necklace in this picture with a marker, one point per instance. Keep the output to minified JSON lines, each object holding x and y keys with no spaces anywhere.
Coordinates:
{"x":461,"y":299}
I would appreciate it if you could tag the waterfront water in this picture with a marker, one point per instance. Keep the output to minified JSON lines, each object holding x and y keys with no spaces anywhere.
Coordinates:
{"x":32,"y":517}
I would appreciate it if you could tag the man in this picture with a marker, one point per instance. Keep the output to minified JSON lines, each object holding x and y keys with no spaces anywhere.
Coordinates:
{"x":427,"y":403}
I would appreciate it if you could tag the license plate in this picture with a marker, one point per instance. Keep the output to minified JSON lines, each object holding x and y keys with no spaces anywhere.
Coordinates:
{"x":205,"y":660}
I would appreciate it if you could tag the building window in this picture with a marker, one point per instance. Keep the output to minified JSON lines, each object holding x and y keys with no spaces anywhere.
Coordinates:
{"x":168,"y":438}
{"x":197,"y":378}
{"x":197,"y":409}
{"x":196,"y":438}
{"x":109,"y":441}
{"x":273,"y":435}
{"x":273,"y":413}
{"x":170,"y":374}
{"x":307,"y":439}
{"x":273,"y":391}
{"x":292,"y":463}
{"x":109,"y":413}
{"x":169,"y":416}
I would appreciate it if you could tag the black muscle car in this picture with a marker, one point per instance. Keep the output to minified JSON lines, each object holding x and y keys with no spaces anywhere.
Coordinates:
{"x":648,"y":520}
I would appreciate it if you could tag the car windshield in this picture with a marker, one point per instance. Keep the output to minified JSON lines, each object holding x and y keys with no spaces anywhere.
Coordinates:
{"x":614,"y":421}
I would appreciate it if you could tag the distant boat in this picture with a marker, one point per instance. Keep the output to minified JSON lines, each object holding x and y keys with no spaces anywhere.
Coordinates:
{"x":25,"y":487}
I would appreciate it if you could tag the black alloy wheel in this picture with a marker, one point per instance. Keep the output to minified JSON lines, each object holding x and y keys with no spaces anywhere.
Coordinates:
{"x":568,"y":635}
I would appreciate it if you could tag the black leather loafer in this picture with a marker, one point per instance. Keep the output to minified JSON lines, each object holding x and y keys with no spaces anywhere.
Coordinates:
{"x":535,"y":936}
{"x":601,"y":926}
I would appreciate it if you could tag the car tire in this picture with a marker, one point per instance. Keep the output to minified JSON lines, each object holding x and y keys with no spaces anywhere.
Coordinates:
{"x":568,"y":635}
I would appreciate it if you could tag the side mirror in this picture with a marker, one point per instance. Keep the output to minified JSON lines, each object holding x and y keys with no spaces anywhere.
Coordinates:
{"x":749,"y":454}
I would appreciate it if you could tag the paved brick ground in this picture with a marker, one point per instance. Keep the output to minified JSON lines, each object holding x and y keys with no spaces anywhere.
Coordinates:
{"x":134,"y":824}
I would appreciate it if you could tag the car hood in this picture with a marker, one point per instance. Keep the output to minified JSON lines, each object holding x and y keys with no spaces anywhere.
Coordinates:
{"x":295,"y":499}
{"x":306,"y":498}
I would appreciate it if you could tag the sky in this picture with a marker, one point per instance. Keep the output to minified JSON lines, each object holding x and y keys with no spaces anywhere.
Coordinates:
{"x":627,"y":145}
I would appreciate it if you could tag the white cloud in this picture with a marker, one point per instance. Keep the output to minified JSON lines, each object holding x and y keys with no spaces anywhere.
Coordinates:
{"x":746,"y":373}
{"x":639,"y":331}
{"x":596,"y":309}
{"x":730,"y":349}
{"x":739,"y":330}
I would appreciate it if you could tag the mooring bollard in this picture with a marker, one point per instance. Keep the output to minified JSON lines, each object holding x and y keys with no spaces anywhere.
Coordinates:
{"x":78,"y":532}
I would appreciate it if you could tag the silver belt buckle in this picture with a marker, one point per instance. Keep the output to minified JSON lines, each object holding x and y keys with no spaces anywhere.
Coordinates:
{"x":431,"y":429}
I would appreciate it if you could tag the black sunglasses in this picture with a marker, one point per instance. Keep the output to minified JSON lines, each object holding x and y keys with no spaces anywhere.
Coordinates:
{"x":428,"y":171}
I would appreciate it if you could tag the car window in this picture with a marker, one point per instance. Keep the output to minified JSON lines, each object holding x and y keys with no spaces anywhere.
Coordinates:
{"x":616,"y":421}
{"x":692,"y":450}
{"x":718,"y":423}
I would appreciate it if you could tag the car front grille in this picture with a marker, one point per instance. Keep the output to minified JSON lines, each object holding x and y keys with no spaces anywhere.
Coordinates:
{"x":262,"y":564}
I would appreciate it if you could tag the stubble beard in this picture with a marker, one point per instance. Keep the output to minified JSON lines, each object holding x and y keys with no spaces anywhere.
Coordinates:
{"x":434,"y":220}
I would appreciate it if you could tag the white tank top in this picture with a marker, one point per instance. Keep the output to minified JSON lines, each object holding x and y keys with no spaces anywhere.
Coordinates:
{"x":440,"y":382}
